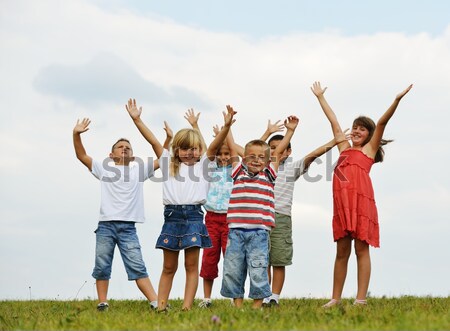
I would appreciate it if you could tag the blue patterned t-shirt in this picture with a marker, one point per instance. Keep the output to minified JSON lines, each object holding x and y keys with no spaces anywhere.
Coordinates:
{"x":219,"y":190}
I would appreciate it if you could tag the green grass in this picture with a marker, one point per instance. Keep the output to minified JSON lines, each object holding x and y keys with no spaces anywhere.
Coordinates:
{"x":403,"y":313}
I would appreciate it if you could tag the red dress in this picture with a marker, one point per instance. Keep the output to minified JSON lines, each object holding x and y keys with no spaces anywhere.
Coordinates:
{"x":354,"y":208}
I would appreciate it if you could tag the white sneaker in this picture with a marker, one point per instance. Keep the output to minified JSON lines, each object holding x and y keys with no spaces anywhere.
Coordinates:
{"x":205,"y":303}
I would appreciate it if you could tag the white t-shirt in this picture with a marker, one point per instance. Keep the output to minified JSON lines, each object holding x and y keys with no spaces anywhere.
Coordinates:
{"x":288,"y":173}
{"x":122,"y":194}
{"x":191,"y":185}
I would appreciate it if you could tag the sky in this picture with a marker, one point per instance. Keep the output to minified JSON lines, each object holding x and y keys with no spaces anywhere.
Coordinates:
{"x":62,"y":61}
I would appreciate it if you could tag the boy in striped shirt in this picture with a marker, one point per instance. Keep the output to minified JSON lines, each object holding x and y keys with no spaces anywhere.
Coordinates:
{"x":251,"y":216}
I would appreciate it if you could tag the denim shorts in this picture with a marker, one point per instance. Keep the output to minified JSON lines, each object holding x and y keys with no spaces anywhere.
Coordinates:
{"x":123,"y":234}
{"x":281,"y":247}
{"x":247,"y":251}
{"x":183,"y":228}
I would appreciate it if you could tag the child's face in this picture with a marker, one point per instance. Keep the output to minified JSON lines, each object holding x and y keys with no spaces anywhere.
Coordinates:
{"x":223,"y":156}
{"x":273,"y":145}
{"x":359,"y":135}
{"x":122,"y":153}
{"x":189,"y":156}
{"x":255,"y":158}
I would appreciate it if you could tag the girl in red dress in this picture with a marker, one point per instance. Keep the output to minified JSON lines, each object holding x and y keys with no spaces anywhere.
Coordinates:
{"x":354,"y":210}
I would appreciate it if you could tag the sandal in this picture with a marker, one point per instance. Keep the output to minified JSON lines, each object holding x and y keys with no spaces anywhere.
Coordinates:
{"x":359,"y":302}
{"x":331,"y":303}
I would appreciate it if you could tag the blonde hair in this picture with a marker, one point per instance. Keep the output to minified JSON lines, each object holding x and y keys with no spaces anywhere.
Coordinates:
{"x":184,"y":139}
{"x":259,"y":143}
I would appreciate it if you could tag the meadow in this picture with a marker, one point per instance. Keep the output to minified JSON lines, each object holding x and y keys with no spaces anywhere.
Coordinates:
{"x":402,"y":313}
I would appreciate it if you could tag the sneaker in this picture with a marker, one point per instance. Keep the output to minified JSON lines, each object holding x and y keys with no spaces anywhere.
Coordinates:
{"x":205,"y":304}
{"x":332,"y":303}
{"x":102,"y":306}
{"x":153,"y":305}
{"x":271,"y":303}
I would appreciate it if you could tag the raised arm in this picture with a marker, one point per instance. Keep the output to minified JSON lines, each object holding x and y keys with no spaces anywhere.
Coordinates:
{"x":272,"y":128}
{"x":80,"y":152}
{"x":169,"y":135}
{"x":233,"y":146}
{"x":372,"y":146}
{"x":135,"y":114}
{"x":291,"y":124}
{"x":193,"y":121}
{"x":319,"y":151}
{"x":329,"y":113}
{"x":221,"y":136}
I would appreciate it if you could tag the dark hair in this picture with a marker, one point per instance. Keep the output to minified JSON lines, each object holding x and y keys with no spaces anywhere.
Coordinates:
{"x":369,"y":124}
{"x":278,"y":137}
{"x":118,"y":141}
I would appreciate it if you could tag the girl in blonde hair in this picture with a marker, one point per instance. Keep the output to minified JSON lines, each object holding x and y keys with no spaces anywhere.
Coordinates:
{"x":186,"y":179}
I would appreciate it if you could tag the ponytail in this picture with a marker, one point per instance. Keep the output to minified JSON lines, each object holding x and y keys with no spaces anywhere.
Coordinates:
{"x":379,"y":156}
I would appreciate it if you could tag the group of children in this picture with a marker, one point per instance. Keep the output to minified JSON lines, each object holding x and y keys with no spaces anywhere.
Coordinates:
{"x":247,"y":194}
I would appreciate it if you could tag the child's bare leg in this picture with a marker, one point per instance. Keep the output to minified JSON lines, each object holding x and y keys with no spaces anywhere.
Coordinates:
{"x":238,"y":302}
{"x":102,"y":289}
{"x":279,"y":274}
{"x":364,"y":268}
{"x":146,"y":287}
{"x":207,"y":287}
{"x":257,"y":303}
{"x":191,"y":256}
{"x":170,"y":266}
{"x":343,"y":250}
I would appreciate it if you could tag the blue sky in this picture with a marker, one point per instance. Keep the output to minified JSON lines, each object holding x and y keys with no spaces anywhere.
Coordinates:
{"x":61,"y":61}
{"x":266,"y":18}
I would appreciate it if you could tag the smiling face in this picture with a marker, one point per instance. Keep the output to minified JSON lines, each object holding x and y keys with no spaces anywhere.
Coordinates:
{"x":362,"y":131}
{"x":223,"y":156}
{"x":273,"y":145}
{"x":359,"y":135}
{"x":257,"y":156}
{"x":186,"y":146}
{"x":121,"y":152}
{"x":189,"y":155}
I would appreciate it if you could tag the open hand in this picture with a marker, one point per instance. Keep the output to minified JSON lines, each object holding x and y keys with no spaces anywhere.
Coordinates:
{"x":216,"y":130}
{"x":275,"y":127}
{"x":342,"y":136}
{"x":169,"y":132}
{"x":191,"y":117}
{"x":228,"y":116}
{"x":133,"y":110}
{"x":82,"y":126}
{"x":317,"y":89}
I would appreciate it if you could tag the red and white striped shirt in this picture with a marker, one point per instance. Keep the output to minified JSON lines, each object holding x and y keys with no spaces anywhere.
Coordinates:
{"x":252,"y":198}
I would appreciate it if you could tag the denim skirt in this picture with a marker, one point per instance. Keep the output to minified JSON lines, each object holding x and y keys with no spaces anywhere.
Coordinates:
{"x":183,"y":228}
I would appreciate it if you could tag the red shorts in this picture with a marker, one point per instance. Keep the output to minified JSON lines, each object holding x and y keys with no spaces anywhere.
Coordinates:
{"x":218,"y":232}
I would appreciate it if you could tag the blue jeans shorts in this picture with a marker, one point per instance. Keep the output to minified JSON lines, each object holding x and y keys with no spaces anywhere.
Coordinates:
{"x":183,"y":228}
{"x":247,"y":251}
{"x":123,"y":234}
